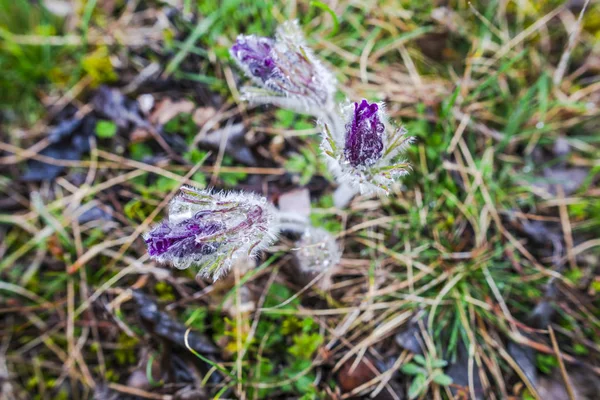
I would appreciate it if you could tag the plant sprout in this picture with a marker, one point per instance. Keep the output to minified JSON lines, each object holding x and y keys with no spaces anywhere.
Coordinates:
{"x":425,"y":371}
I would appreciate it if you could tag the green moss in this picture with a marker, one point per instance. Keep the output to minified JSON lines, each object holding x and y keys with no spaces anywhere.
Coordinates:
{"x":98,"y":67}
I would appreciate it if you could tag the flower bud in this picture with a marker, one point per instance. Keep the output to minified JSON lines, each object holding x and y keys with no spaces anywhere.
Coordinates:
{"x":364,"y":136}
{"x":211,"y":230}
{"x":317,"y":250}
{"x":286,"y":70}
{"x":362,"y":149}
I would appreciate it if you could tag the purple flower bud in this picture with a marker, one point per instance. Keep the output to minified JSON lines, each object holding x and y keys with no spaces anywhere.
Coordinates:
{"x":254,"y":54}
{"x":362,"y":148}
{"x":288,"y":73}
{"x":364,"y":136}
{"x":193,"y":236}
{"x":211,"y":230}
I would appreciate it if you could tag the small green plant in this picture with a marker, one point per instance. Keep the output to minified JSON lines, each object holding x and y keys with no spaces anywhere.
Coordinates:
{"x":106,"y":129}
{"x":425,"y":371}
{"x":546,"y":363}
{"x":306,"y":164}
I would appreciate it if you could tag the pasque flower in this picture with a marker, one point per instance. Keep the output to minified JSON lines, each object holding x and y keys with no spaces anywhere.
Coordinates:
{"x":363,"y":149}
{"x":211,"y":230}
{"x":285,"y":70}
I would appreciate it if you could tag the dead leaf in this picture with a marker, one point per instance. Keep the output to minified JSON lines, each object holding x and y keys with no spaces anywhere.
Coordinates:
{"x":343,"y":195}
{"x":203,"y":114}
{"x":448,"y":18}
{"x":168,"y":109}
{"x":139,"y":135}
{"x":246,"y":303}
{"x":295,"y":202}
{"x":112,"y":104}
{"x":570,"y":179}
{"x":276,"y":146}
{"x":349,"y":378}
{"x":146,"y":102}
{"x":60,"y":8}
{"x":235,"y":146}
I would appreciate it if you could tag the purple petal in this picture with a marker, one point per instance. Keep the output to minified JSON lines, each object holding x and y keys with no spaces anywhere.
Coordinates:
{"x":254,"y":52}
{"x":184,"y":238}
{"x":364,"y":135}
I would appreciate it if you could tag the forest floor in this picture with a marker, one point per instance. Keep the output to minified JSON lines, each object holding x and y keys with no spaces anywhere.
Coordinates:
{"x":477,"y":277}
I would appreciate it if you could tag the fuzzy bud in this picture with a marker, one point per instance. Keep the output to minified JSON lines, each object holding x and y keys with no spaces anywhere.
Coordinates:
{"x":211,"y":230}
{"x":364,"y":136}
{"x":362,"y":149}
{"x":317,"y":250}
{"x":286,"y":70}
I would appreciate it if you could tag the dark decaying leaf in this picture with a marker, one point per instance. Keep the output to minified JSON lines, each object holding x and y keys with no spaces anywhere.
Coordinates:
{"x":103,"y":392}
{"x":547,"y":237}
{"x":189,"y":393}
{"x":94,"y":214}
{"x":112,"y":104}
{"x":543,"y":312}
{"x":459,"y":372}
{"x":539,"y":318}
{"x":235,"y":146}
{"x":584,"y":383}
{"x":561,"y":147}
{"x":570,"y":179}
{"x":68,"y":141}
{"x":411,"y":338}
{"x":64,"y":130}
{"x":525,"y":358}
{"x":162,"y":325}
{"x":350,"y":377}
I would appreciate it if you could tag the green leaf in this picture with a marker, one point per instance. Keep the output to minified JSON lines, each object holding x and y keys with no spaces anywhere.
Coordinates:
{"x":442,"y":379}
{"x":106,"y":129}
{"x":326,"y":8}
{"x":138,"y":151}
{"x":412,"y":369}
{"x":284,"y":118}
{"x":164,"y":184}
{"x":195,"y":155}
{"x":277,"y":294}
{"x":199,"y":179}
{"x":198,"y":31}
{"x":580,"y":349}
{"x":417,"y":386}
{"x":546,"y":362}
{"x":420,"y":359}
{"x":304,"y":384}
{"x":439,"y":363}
